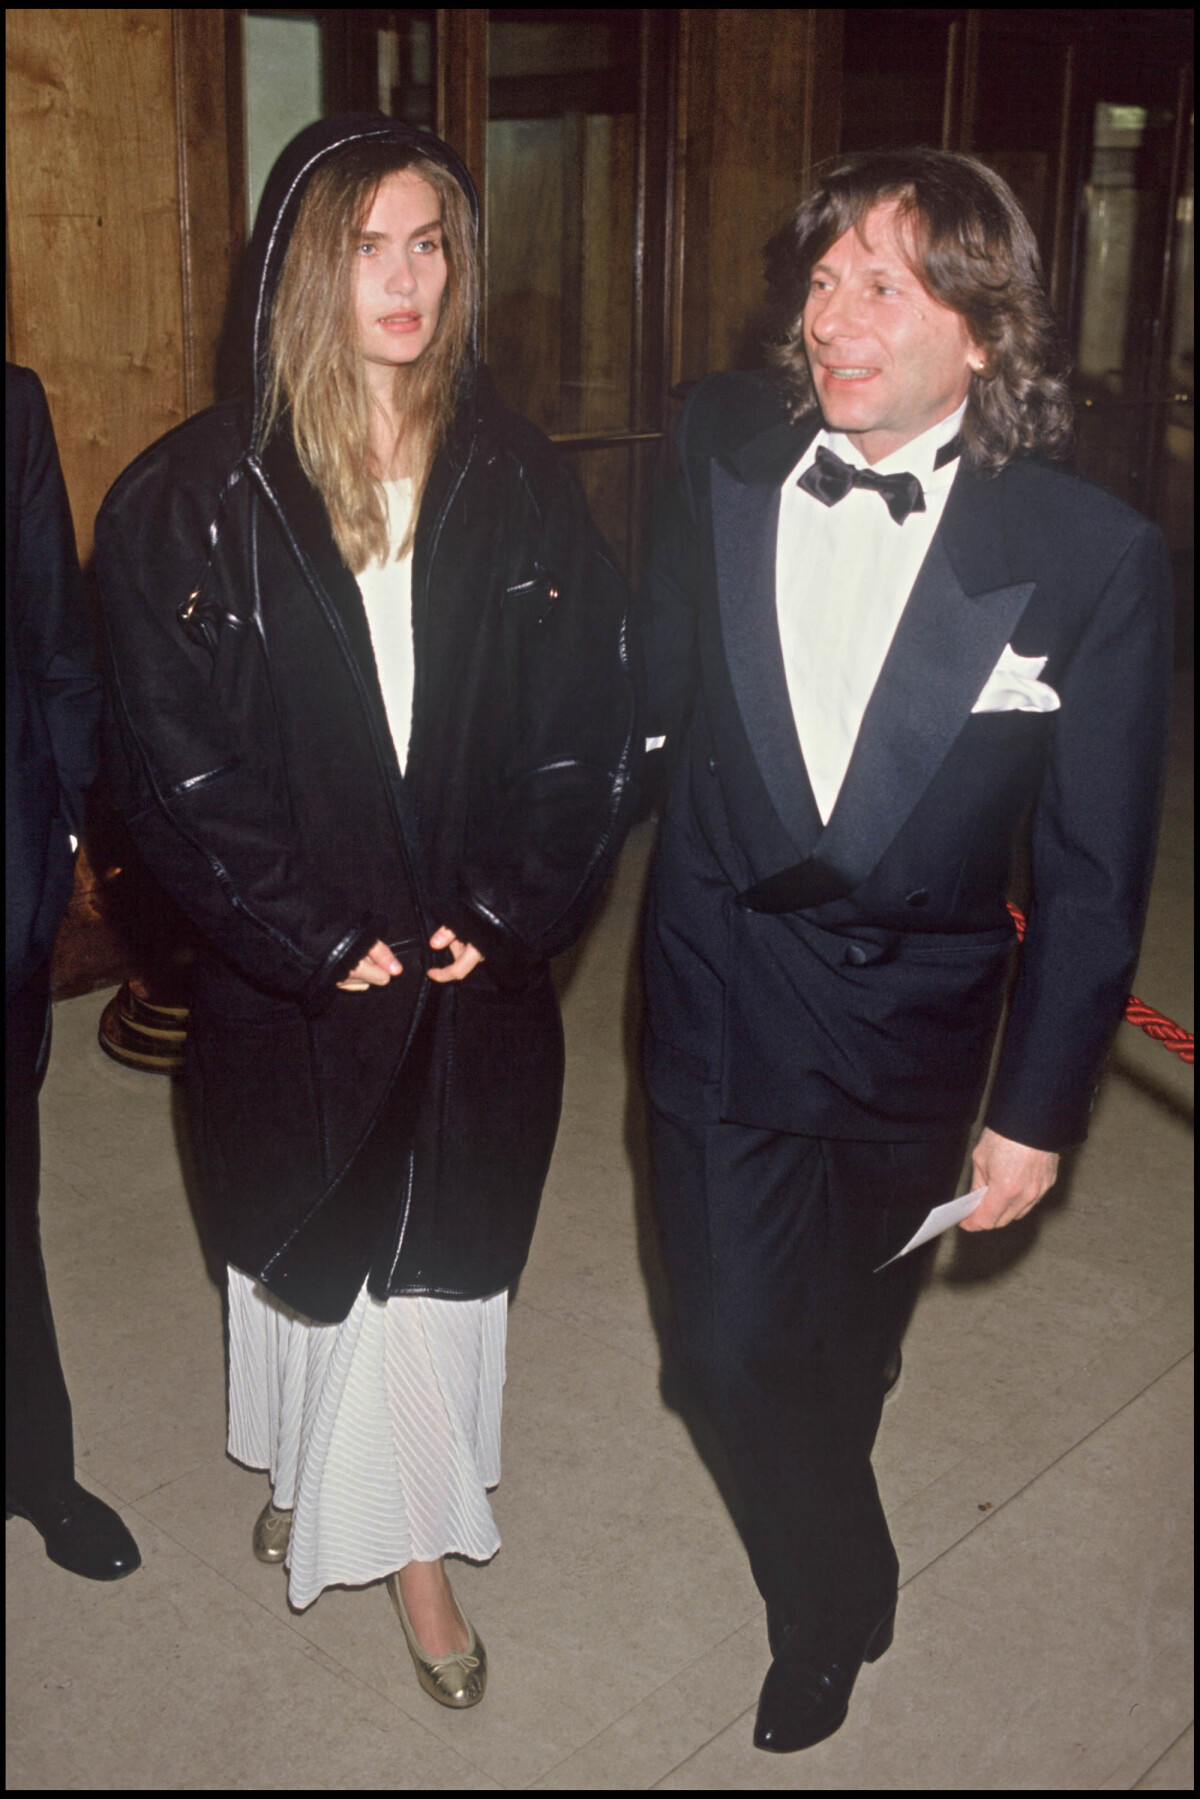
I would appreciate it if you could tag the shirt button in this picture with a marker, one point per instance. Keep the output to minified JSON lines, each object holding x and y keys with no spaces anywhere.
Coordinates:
{"x":856,"y":955}
{"x":919,"y":898}
{"x":712,"y":765}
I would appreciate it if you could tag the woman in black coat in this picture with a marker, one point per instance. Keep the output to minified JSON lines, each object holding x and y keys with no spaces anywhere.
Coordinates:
{"x":383,"y":833}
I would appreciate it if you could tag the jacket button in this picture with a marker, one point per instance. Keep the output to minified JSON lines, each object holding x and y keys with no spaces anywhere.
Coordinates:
{"x":856,"y":955}
{"x":712,"y":765}
{"x":919,"y":898}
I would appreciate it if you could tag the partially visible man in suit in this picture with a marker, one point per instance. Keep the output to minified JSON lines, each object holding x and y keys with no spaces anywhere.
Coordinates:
{"x":51,"y":712}
{"x":881,"y":627}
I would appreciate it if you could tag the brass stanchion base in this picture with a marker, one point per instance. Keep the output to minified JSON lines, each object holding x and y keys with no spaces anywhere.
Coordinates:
{"x":144,"y":1033}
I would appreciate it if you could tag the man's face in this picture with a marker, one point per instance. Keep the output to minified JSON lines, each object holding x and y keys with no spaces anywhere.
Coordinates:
{"x":399,"y":273}
{"x":887,"y":359}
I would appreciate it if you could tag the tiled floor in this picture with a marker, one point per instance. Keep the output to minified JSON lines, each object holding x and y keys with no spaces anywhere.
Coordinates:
{"x":1036,"y":1464}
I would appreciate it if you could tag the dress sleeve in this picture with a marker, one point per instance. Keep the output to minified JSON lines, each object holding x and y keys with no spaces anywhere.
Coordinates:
{"x":193,"y":758}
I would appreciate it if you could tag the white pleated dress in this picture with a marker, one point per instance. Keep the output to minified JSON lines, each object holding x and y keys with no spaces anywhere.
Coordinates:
{"x":381,"y":1435}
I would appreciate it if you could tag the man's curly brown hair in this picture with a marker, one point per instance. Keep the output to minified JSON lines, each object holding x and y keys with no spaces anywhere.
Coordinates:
{"x":975,"y":252}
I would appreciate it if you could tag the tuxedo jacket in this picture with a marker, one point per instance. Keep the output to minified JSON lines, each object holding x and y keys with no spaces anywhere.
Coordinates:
{"x":847,"y":979}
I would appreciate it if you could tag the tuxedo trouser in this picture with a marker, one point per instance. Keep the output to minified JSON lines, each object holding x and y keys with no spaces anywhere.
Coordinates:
{"x":784,"y":1328}
{"x":39,"y":1445}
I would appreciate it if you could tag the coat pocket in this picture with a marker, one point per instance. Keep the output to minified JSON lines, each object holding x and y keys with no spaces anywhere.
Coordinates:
{"x":193,"y":783}
{"x":535,"y":596}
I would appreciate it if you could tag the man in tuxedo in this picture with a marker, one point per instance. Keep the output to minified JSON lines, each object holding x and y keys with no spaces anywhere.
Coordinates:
{"x":882,"y":628}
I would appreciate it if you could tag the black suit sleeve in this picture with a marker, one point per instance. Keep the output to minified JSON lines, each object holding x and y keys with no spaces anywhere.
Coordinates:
{"x":1094,"y":834}
{"x":52,"y":690}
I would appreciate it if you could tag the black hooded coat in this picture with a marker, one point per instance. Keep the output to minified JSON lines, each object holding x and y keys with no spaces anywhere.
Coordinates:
{"x":400,"y":1135}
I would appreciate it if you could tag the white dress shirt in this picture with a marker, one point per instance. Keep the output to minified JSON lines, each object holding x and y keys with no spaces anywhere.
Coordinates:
{"x":843,"y":575}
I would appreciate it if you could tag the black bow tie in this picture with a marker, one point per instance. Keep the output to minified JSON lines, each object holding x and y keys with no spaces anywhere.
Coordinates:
{"x":829,"y":480}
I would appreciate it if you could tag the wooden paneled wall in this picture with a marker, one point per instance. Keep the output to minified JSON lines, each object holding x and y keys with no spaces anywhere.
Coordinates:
{"x":118,"y":220}
{"x":757,"y":108}
{"x":121,"y":225}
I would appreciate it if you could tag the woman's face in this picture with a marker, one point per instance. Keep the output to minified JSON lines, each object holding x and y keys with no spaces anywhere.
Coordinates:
{"x":399,"y":272}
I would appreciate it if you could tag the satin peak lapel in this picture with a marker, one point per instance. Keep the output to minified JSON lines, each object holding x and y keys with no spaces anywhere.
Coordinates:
{"x":945,"y":647}
{"x":947,"y":643}
{"x":745,"y":519}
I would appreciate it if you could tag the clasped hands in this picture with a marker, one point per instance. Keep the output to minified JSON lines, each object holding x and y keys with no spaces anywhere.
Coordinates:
{"x":380,"y":964}
{"x":1015,"y":1176}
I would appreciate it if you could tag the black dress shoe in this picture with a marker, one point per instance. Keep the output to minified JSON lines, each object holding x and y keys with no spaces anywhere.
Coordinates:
{"x":805,"y":1696}
{"x":82,"y":1534}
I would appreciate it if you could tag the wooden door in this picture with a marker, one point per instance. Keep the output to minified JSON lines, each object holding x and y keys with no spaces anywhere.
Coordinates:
{"x":121,"y":237}
{"x":1087,"y":113}
{"x":632,"y":161}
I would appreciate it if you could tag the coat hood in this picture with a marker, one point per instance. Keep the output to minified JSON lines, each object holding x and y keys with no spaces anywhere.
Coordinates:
{"x":285,"y":188}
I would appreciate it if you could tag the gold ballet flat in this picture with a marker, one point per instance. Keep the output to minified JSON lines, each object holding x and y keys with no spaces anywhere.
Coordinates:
{"x":272,"y":1529}
{"x":457,"y":1679}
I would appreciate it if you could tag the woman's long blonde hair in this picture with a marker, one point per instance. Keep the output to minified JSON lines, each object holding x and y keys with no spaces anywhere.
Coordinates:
{"x":316,"y":373}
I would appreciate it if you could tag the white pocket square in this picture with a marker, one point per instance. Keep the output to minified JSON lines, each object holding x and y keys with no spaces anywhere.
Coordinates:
{"x":1013,"y":686}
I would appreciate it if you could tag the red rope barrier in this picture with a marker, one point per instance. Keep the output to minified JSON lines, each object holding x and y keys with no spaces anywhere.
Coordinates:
{"x":1164,"y":1030}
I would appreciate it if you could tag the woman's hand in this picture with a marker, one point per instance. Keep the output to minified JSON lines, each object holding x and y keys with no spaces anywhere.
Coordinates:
{"x":466,"y":956}
{"x":375,"y":970}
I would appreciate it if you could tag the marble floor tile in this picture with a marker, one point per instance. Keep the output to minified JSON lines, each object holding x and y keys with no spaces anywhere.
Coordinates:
{"x":100,"y":1125}
{"x":928,"y":1523}
{"x":1175,"y":1771}
{"x":1047,"y":1651}
{"x":639,"y":1750}
{"x":172,"y":1680}
{"x":580,"y":1276}
{"x":141,"y":1454}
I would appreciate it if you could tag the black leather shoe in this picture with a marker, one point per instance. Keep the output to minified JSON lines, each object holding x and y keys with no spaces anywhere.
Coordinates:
{"x":805,"y":1697}
{"x":82,"y":1534}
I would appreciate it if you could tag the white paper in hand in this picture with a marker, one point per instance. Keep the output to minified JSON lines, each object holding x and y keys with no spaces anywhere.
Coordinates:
{"x":939,"y":1220}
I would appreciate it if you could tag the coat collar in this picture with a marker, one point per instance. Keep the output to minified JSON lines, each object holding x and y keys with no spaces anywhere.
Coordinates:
{"x":745,"y":520}
{"x":306,"y":522}
{"x":767,"y":455}
{"x":301,"y":513}
{"x":963,"y":609}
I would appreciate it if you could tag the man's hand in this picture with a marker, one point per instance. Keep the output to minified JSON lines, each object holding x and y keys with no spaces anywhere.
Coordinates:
{"x":466,"y":956}
{"x":1015,"y":1176}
